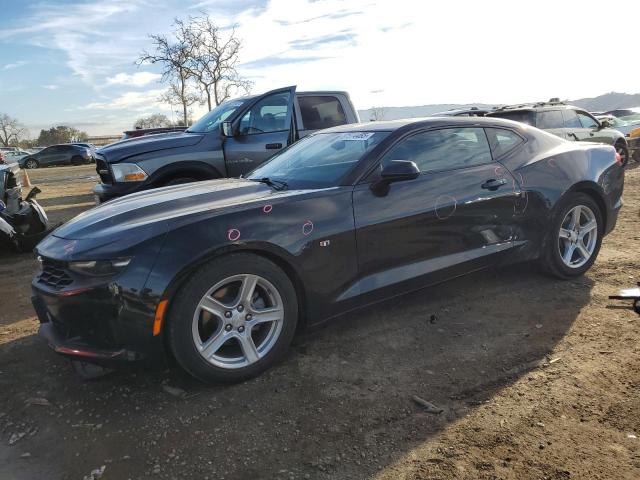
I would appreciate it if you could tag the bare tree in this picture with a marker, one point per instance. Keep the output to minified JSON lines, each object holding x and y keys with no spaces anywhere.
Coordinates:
{"x":214,"y":63}
{"x":176,"y":58}
{"x":153,"y":121}
{"x":377,"y":113}
{"x":11,"y":130}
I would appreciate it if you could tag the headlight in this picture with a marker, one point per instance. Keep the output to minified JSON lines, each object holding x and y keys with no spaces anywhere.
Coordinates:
{"x":127,"y":172}
{"x":99,"y":268}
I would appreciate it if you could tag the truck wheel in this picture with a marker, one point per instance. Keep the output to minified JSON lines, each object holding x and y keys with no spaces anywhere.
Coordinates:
{"x":31,"y":163}
{"x":574,"y":238}
{"x":623,"y":151}
{"x":233,"y":319}
{"x":179,"y":181}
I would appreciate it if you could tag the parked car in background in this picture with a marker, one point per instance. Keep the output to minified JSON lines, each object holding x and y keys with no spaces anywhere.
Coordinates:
{"x":232,"y":139}
{"x":64,"y":154}
{"x":625,"y":113}
{"x":222,"y":273}
{"x":462,"y":112}
{"x":143,"y":132}
{"x":565,"y":121}
{"x":631,"y":131}
{"x":15,"y":155}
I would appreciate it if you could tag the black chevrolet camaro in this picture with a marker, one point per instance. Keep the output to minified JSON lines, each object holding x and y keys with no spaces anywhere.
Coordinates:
{"x":221,"y":273}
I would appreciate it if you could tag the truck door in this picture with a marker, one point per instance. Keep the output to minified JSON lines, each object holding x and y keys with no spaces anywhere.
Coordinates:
{"x":260,"y":131}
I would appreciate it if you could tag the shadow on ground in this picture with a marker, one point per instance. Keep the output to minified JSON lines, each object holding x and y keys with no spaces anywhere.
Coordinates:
{"x":339,"y":406}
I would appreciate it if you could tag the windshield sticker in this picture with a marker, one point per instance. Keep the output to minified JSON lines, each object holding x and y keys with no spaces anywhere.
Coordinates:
{"x":356,"y":136}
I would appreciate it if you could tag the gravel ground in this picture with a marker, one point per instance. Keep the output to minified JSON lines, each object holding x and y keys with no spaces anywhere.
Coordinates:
{"x":537,"y":379}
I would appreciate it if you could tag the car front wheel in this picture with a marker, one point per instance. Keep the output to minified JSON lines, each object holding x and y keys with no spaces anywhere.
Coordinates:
{"x":233,"y":319}
{"x":31,"y":163}
{"x":574,"y":239}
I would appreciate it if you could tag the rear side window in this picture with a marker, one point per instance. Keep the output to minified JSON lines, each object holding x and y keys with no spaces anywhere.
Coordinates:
{"x":549,"y":119}
{"x":571,"y":119}
{"x":444,"y":149}
{"x":321,"y":111}
{"x":522,"y":116}
{"x":502,"y":141}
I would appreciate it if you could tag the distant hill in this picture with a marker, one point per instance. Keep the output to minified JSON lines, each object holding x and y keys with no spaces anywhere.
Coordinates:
{"x":608,"y":101}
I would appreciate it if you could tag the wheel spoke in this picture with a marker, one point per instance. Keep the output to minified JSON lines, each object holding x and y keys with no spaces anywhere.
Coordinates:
{"x":588,"y":227}
{"x":583,"y":250}
{"x":213,"y":306}
{"x":568,"y":253}
{"x":248,"y":347}
{"x":565,"y":233}
{"x":215,"y":342}
{"x":264,"y":316}
{"x":246,"y":291}
{"x":575,"y":217}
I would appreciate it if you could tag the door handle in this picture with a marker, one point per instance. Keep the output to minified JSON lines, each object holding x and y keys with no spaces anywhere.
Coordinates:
{"x":494,"y":183}
{"x":273,"y":146}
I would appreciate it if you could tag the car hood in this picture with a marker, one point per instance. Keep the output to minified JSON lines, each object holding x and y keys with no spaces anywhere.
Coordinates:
{"x":128,"y":148}
{"x":154,"y":209}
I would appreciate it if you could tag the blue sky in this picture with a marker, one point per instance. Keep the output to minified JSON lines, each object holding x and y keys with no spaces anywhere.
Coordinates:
{"x":72,"y":61}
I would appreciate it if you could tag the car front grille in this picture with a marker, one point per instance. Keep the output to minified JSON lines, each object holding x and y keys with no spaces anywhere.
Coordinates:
{"x":102,"y":167}
{"x":54,"y":275}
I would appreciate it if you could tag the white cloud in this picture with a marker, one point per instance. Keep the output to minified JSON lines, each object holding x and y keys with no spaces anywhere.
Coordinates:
{"x":51,"y":87}
{"x":19,"y":63}
{"x":131,"y":101}
{"x":138,"y":79}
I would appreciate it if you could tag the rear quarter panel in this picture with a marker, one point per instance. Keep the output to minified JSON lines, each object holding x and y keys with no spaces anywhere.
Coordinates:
{"x":547,"y":170}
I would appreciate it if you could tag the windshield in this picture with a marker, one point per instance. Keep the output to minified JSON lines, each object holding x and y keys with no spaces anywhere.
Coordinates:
{"x":212,"y":120}
{"x":319,"y":160}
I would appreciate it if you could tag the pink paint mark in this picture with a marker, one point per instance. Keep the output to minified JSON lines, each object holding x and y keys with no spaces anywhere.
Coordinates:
{"x":267,"y":209}
{"x":233,"y":234}
{"x":69,"y":247}
{"x":307,"y":227}
{"x":552,"y":162}
{"x":499,"y":171}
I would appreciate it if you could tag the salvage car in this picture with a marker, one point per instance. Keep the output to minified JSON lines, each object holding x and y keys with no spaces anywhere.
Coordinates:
{"x":222,"y":273}
{"x":23,"y":222}
{"x":565,"y":121}
{"x":230,"y":140}
{"x":64,"y":154}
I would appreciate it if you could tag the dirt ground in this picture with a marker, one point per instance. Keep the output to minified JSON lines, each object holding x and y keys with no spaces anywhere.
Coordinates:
{"x":538,"y":379}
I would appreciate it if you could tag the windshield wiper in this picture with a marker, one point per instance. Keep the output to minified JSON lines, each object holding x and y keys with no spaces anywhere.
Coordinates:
{"x":275,"y":184}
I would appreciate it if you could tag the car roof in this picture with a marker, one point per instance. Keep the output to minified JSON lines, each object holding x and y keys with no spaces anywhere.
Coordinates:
{"x":535,"y":107}
{"x":426,"y":122}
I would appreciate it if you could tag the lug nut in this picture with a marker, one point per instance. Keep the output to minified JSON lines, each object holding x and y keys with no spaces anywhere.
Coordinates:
{"x":228,"y":327}
{"x":240,"y":308}
{"x":241,"y":329}
{"x":249,"y":317}
{"x":227,"y":314}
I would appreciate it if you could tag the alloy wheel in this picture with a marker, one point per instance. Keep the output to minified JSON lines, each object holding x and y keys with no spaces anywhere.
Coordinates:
{"x":578,"y":236}
{"x":238,"y":321}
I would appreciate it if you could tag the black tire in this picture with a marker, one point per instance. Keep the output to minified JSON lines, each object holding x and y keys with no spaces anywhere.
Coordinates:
{"x":77,"y":160}
{"x":31,"y":163}
{"x":551,"y":260}
{"x":186,"y":300}
{"x":179,"y":181}
{"x":622,"y":148}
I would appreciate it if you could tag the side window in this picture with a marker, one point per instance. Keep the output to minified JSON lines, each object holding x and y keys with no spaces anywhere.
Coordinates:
{"x":587,"y":121}
{"x":571,"y":119}
{"x":443,"y":149}
{"x":547,"y":119}
{"x":268,"y":115}
{"x":321,"y":112}
{"x":502,"y":141}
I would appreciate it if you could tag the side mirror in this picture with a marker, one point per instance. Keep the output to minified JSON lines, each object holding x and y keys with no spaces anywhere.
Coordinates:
{"x":394,"y":171}
{"x":399,"y":170}
{"x":226,"y":129}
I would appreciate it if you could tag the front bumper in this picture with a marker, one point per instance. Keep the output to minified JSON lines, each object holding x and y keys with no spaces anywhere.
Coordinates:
{"x":104,"y":192}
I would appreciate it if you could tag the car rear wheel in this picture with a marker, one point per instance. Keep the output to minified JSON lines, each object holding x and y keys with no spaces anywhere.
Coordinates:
{"x":623,"y":151}
{"x":31,"y":163}
{"x":233,"y":319}
{"x":574,"y":239}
